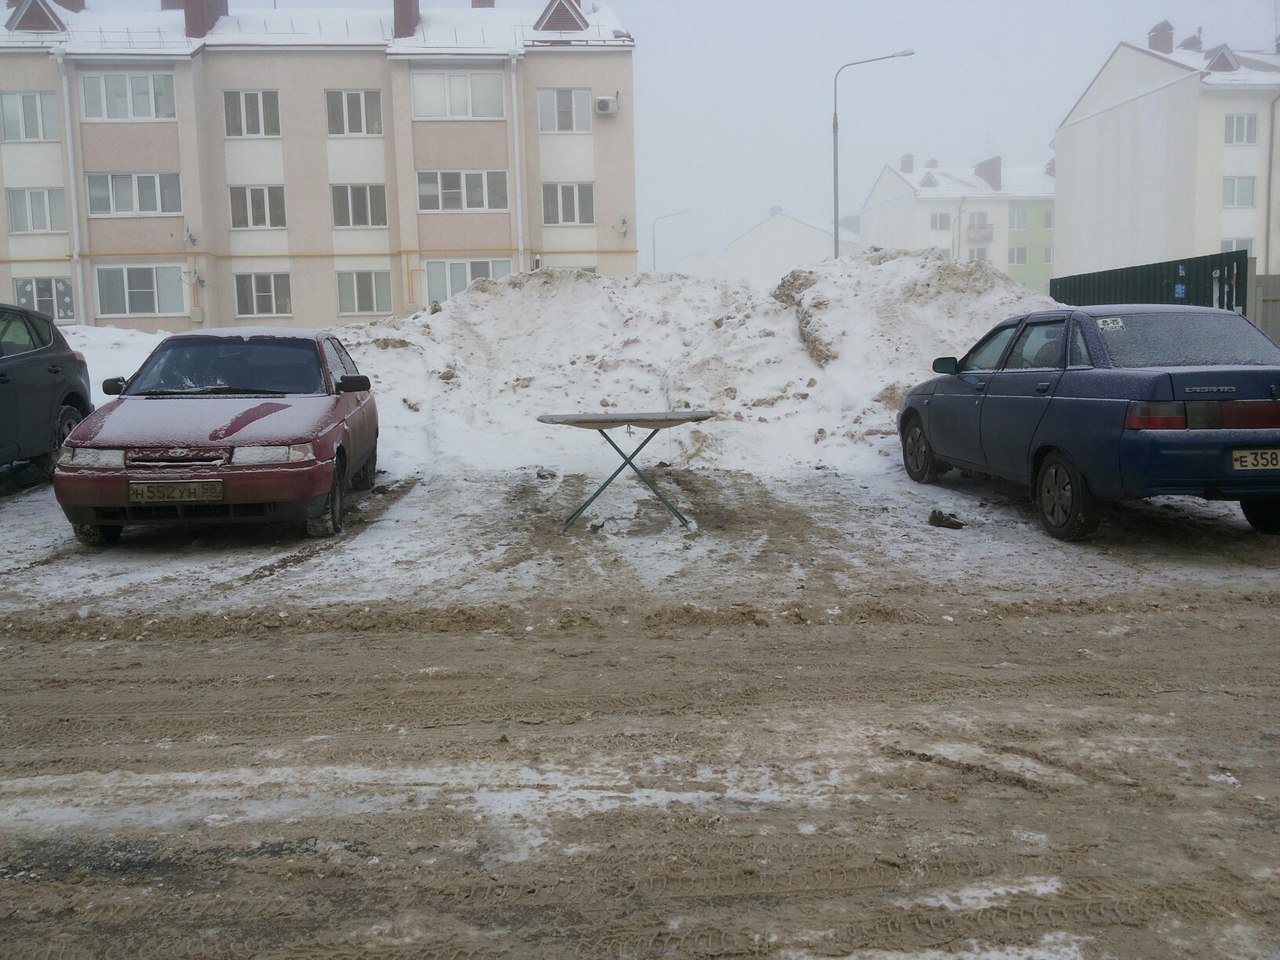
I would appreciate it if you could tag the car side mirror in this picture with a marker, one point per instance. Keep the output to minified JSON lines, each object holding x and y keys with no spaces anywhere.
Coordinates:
{"x":113,"y":387}
{"x":351,"y":383}
{"x":946,"y":365}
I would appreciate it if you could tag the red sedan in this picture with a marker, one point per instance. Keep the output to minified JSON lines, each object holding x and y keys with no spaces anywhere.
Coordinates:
{"x":230,"y":425}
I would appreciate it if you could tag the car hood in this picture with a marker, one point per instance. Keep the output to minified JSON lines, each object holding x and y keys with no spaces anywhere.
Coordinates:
{"x":203,"y":421}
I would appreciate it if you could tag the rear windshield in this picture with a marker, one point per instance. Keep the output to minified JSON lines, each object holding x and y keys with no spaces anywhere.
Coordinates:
{"x":1185,"y":340}
{"x":253,"y":365}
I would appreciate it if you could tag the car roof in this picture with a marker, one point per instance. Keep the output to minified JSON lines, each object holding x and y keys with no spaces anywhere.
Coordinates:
{"x":1134,"y":309}
{"x":241,"y":333}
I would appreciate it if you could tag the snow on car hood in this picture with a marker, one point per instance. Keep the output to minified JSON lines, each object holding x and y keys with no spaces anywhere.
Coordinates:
{"x":203,"y":421}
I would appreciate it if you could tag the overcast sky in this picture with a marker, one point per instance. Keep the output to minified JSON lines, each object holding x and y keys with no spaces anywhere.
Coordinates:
{"x":734,"y":97}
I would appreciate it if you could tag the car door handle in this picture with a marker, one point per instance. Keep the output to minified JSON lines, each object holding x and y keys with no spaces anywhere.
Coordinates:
{"x":980,"y":386}
{"x":1042,"y":388}
{"x":4,"y":378}
{"x":54,"y":368}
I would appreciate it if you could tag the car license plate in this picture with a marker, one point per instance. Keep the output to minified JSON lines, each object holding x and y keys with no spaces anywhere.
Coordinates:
{"x":201,"y":491}
{"x":1255,"y":459}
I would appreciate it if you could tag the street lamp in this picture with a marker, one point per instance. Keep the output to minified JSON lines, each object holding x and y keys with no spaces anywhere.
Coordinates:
{"x":835,"y":142}
{"x":653,"y":234}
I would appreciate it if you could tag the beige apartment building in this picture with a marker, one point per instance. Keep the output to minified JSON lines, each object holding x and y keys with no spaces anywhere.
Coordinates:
{"x":214,"y":163}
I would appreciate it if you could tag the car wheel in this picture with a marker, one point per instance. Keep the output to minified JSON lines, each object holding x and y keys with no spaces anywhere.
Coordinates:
{"x":1067,"y":509}
{"x":1263,"y":515}
{"x":364,"y":477}
{"x":329,"y":523}
{"x":94,"y":535}
{"x":917,"y":454}
{"x":65,"y":422}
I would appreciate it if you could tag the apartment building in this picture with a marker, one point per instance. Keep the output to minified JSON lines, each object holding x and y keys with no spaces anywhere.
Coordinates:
{"x":1170,"y":152}
{"x":1002,"y":215}
{"x":226,"y":162}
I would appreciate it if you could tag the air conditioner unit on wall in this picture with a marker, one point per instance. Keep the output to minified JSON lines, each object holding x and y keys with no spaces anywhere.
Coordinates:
{"x":606,"y":105}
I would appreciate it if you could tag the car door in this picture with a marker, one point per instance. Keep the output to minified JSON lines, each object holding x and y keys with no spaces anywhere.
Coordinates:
{"x":1018,"y":396}
{"x":356,"y":408}
{"x":30,"y":385}
{"x":955,"y":408}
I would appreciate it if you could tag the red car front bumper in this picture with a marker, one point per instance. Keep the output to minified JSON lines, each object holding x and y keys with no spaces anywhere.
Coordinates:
{"x":279,"y":492}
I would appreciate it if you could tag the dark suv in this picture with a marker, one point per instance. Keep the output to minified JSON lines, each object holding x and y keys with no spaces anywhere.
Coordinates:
{"x":44,"y":388}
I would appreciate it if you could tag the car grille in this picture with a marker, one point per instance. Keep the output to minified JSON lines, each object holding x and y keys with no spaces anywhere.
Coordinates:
{"x":177,"y":456}
{"x":175,"y":512}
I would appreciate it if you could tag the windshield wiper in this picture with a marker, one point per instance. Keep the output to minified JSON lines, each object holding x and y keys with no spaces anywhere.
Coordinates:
{"x":254,"y":391}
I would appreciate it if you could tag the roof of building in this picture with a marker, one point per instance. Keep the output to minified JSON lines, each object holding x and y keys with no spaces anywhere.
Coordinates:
{"x":140,"y":29}
{"x":1030,"y":182}
{"x":1222,"y":66}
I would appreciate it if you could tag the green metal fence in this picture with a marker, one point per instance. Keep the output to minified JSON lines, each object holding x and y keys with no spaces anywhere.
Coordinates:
{"x":1218,"y":280}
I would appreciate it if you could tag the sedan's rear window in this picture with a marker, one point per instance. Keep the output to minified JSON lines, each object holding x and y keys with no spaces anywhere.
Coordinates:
{"x":1185,"y":340}
{"x":231,"y":365}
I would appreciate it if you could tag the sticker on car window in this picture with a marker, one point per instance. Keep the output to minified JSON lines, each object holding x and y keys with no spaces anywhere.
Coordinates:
{"x":1110,"y":323}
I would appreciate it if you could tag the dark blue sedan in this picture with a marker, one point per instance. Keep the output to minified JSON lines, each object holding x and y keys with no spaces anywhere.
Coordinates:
{"x":1091,"y":405}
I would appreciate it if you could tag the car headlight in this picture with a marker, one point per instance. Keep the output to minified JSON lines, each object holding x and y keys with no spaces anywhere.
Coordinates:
{"x":256,"y":456}
{"x":91,"y":457}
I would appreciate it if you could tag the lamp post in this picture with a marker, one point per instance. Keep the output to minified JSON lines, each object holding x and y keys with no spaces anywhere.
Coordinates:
{"x":653,"y":234}
{"x":835,"y":142}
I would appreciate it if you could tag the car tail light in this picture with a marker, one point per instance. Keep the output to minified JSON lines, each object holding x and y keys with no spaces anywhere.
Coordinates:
{"x":78,"y":355}
{"x":1250,"y":414}
{"x":1204,"y":415}
{"x":1156,"y":416}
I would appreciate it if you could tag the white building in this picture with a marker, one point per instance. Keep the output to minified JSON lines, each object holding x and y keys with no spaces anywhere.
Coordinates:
{"x":770,"y":250}
{"x":990,"y":212}
{"x":1170,"y":152}
{"x":169,"y":164}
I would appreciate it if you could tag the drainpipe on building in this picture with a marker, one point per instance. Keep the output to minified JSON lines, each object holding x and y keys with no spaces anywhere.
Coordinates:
{"x":73,"y":184}
{"x":955,"y":252}
{"x":1267,"y":228}
{"x":518,"y":161}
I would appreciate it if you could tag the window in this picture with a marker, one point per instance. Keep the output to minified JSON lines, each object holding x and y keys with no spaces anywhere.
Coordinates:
{"x":446,"y":278}
{"x":49,"y":295}
{"x":252,"y":113}
{"x":986,"y":354}
{"x":15,"y":336}
{"x":1038,"y":347}
{"x":1048,"y":219}
{"x":354,"y":112}
{"x":36,"y":210}
{"x":1238,"y":243}
{"x":564,"y":111}
{"x":125,"y":96}
{"x":1048,"y":254}
{"x":360,"y":205}
{"x":1078,"y":355}
{"x":364,"y":291}
{"x":1241,"y":128}
{"x":1017,"y":256}
{"x":568,"y":203}
{"x":977,"y":253}
{"x":1237,"y":191}
{"x":262,"y":294}
{"x":1019,"y":219}
{"x":457,"y":96}
{"x":257,"y":207}
{"x":462,"y":190}
{"x":939,"y":221}
{"x":140,"y":290}
{"x":29,"y":116}
{"x":136,"y":194}
{"x":978,"y":219}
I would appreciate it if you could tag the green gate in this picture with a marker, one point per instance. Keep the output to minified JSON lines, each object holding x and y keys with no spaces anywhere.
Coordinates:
{"x":1218,"y":280}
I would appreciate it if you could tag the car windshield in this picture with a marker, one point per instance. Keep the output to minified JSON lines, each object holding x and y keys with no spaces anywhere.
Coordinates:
{"x":1185,"y":340}
{"x":224,"y":365}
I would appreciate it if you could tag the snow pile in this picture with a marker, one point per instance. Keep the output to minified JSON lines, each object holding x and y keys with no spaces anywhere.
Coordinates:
{"x":809,"y":372}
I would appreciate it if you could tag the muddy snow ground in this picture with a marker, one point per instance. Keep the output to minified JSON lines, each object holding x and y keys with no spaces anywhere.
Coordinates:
{"x":811,"y":726}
